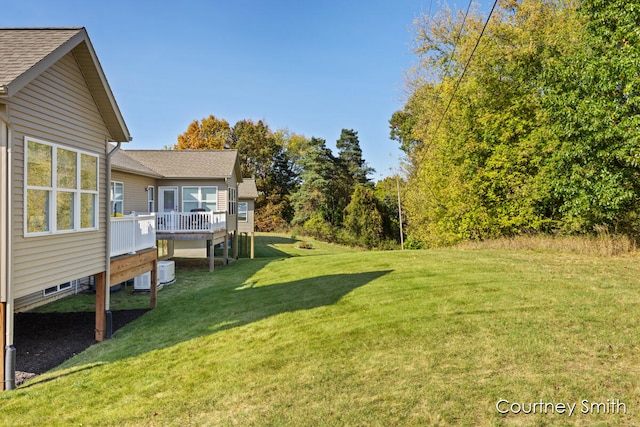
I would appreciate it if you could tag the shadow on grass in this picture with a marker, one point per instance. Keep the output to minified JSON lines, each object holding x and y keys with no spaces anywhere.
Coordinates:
{"x":203,"y":303}
{"x":216,"y":308}
{"x":265,"y":246}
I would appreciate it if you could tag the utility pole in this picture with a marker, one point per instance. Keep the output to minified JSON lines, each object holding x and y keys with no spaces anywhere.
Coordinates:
{"x":400,"y":213}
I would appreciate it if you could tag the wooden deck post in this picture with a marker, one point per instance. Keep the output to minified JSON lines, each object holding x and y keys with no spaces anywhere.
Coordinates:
{"x":211,"y":250}
{"x":101,"y":298}
{"x":153,"y":289}
{"x":235,"y":244}
{"x":3,"y":331}
{"x":252,"y":241}
{"x":226,"y":248}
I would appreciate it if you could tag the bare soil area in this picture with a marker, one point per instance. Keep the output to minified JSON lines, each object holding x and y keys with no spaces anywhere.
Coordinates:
{"x":45,"y":340}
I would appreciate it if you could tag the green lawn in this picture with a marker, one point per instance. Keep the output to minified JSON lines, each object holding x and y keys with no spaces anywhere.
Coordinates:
{"x":331,"y":336}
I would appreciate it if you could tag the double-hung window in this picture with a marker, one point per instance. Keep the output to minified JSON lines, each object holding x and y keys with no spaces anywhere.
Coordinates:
{"x":61,"y":189}
{"x":232,"y":201}
{"x":150,"y":198}
{"x":243,"y":211}
{"x":117,"y":198}
{"x":199,"y":198}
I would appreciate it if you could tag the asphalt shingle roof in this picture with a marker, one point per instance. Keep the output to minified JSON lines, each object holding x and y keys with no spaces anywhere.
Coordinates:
{"x":247,"y":189}
{"x":22,"y":48}
{"x":121,"y":161}
{"x":25,"y":53}
{"x":186,"y":163}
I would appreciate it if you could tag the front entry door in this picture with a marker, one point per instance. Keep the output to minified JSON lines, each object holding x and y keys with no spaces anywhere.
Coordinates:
{"x":168,"y":199}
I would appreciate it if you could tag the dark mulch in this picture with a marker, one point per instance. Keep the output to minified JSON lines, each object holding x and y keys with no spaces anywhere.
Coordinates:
{"x":45,"y":340}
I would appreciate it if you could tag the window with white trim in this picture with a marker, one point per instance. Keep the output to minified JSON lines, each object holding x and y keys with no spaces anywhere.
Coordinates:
{"x":150,"y":198}
{"x":232,"y":201}
{"x":243,"y":211}
{"x":199,"y":198}
{"x":55,"y":289}
{"x":61,"y":189}
{"x":117,"y":198}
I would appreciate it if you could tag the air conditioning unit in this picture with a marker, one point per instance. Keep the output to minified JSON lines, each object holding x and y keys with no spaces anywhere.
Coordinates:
{"x":142,"y":282}
{"x":166,"y":272}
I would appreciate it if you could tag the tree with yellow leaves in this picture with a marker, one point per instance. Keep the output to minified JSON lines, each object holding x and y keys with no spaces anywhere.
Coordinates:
{"x":210,"y":133}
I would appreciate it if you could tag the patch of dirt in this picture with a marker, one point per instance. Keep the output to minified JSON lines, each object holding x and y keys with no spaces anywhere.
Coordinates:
{"x":45,"y":340}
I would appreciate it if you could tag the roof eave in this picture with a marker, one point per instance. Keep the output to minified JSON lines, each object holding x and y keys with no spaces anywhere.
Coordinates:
{"x":101,"y":91}
{"x":196,"y":177}
{"x":94,"y":75}
{"x":136,"y":172}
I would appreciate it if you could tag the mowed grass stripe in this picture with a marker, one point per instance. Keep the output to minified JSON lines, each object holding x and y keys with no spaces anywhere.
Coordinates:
{"x":330,"y":336}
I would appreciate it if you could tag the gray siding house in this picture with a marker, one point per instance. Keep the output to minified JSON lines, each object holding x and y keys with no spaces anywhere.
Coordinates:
{"x":192,"y":193}
{"x":58,"y":117}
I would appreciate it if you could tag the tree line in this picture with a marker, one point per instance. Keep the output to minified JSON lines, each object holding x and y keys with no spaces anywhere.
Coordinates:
{"x":303,"y":184}
{"x":531,"y":127}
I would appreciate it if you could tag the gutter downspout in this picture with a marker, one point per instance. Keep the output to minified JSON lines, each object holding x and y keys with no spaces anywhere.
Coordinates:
{"x":6,"y":218}
{"x":107,"y":298}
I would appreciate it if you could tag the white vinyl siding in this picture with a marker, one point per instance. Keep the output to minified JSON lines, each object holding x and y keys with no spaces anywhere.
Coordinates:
{"x":56,"y":107}
{"x":136,"y":196}
{"x":246,"y":226}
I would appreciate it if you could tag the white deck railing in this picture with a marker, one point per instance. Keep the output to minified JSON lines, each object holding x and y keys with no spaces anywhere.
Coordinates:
{"x":132,"y":233}
{"x":190,"y":222}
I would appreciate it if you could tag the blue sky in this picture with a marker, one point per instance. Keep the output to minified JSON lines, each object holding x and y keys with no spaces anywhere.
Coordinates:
{"x":311,"y":67}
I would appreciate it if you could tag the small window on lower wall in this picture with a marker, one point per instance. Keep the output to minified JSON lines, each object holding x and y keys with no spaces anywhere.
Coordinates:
{"x":243,"y":209}
{"x":55,"y":289}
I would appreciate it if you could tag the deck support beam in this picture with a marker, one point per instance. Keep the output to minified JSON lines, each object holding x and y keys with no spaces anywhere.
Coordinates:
{"x":101,"y":300}
{"x":3,"y":331}
{"x":226,"y":248}
{"x":210,"y":251}
{"x":235,"y":244}
{"x":252,"y":242}
{"x":127,"y":267}
{"x":153,"y":289}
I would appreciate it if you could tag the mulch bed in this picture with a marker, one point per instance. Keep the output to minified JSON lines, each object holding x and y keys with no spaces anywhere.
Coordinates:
{"x":45,"y":340}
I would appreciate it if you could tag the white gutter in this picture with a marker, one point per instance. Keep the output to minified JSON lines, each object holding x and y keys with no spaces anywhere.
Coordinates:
{"x":5,"y":280}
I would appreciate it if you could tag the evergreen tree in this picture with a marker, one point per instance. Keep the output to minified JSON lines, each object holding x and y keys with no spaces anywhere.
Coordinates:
{"x":350,"y":155}
{"x":315,"y":195}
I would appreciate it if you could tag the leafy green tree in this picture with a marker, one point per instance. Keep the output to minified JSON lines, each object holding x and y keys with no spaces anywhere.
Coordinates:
{"x":594,"y":105}
{"x":478,"y":138}
{"x":256,"y":147}
{"x":363,"y":217}
{"x":401,"y":127}
{"x":386,"y":191}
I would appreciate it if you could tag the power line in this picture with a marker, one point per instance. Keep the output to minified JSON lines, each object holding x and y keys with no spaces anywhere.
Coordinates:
{"x":464,"y":20}
{"x":464,"y":71}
